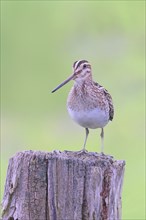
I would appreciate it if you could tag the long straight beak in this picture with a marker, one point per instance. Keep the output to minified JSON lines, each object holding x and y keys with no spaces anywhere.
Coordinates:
{"x":63,"y":83}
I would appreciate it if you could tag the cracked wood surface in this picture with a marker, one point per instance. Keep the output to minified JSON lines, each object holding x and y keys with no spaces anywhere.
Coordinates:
{"x":63,"y":186}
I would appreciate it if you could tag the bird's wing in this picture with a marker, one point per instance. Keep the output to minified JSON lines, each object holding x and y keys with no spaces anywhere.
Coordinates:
{"x":110,"y":102}
{"x":109,"y":99}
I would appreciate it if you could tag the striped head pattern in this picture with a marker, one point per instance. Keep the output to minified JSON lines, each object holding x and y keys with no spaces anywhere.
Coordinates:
{"x":81,"y":71}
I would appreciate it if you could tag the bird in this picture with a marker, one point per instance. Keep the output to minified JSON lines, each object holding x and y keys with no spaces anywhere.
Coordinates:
{"x":89,"y":104}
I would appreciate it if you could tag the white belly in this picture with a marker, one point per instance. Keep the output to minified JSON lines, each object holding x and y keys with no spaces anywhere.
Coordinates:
{"x":96,"y":118}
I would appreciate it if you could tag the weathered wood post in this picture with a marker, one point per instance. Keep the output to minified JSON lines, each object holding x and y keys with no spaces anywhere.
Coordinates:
{"x":63,"y":186}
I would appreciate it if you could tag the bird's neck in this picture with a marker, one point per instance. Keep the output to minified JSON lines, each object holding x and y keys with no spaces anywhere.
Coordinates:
{"x":83,"y":82}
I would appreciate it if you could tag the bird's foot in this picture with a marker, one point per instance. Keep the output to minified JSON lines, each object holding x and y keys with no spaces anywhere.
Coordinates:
{"x":102,"y":153}
{"x":83,"y":151}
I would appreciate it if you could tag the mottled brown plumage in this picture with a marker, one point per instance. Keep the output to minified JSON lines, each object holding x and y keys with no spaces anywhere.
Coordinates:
{"x":88,"y":103}
{"x":109,"y":99}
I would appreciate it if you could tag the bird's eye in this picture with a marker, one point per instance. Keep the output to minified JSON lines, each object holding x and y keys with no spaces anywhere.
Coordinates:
{"x":84,"y":66}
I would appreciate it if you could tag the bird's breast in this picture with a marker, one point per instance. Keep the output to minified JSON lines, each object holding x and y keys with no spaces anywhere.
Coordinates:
{"x":88,"y":107}
{"x":95,"y":118}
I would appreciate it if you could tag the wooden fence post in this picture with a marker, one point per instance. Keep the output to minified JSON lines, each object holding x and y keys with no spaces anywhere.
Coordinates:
{"x":63,"y":186}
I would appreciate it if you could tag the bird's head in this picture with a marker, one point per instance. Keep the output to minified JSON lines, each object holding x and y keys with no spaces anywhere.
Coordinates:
{"x":81,"y":71}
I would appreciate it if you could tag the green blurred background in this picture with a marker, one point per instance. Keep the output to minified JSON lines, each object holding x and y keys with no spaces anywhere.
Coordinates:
{"x":40,"y":42}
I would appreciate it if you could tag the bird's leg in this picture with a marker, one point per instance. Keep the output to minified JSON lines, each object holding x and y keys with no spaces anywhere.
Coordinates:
{"x":102,"y":140}
{"x":83,"y":149}
{"x":87,"y":132}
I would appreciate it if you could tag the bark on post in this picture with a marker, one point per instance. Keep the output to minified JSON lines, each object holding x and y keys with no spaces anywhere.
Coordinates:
{"x":63,"y":186}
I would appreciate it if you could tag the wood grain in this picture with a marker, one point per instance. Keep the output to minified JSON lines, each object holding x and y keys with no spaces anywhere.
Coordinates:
{"x":63,"y":186}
